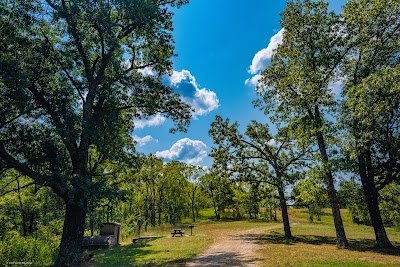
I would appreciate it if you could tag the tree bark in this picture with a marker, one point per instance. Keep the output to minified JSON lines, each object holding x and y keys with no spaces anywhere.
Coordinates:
{"x":217,"y":215}
{"x":371,"y":196}
{"x":382,"y":240}
{"x":341,"y":239}
{"x":24,"y":216}
{"x":310,"y":214}
{"x":193,"y":212}
{"x":70,"y":253}
{"x":285,"y":216}
{"x":91,"y":223}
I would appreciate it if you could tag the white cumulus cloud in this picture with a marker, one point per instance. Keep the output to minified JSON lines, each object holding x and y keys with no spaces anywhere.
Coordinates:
{"x":147,"y":71}
{"x":202,"y":100}
{"x":261,"y":58}
{"x":178,"y":76}
{"x":141,"y":141}
{"x":148,"y":122}
{"x":186,"y":150}
{"x":253,"y":80}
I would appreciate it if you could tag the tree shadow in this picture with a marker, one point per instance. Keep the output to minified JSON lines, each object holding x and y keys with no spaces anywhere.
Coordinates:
{"x":360,"y":244}
{"x":222,"y":259}
{"x":128,"y":255}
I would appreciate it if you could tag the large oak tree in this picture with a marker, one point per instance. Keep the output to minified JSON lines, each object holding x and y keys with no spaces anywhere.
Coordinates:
{"x":71,"y":85}
{"x":371,"y":99}
{"x":295,"y":87}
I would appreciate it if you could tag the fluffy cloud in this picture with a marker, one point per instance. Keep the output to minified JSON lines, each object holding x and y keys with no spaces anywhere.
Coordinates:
{"x":201,"y":99}
{"x":272,"y":142}
{"x":253,"y":80}
{"x":147,"y":71}
{"x":261,"y":58}
{"x":186,"y":150}
{"x":151,"y":121}
{"x":141,"y":141}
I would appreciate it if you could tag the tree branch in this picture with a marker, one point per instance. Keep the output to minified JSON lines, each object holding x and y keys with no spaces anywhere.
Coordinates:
{"x":74,"y":83}
{"x":27,"y":171}
{"x":39,"y":97}
{"x":16,"y":189}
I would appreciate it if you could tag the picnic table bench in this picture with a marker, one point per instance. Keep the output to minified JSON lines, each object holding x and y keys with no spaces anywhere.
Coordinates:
{"x":177,"y":232}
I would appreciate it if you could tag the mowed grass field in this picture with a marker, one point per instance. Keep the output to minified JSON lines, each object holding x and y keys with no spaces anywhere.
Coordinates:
{"x":313,"y":245}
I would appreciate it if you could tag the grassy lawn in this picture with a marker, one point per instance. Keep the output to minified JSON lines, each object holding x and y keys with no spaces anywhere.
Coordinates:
{"x":166,"y":250}
{"x":163,"y":251}
{"x":313,"y":245}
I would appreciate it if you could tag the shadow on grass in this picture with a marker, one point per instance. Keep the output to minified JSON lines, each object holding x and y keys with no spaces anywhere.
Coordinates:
{"x":355,"y":244}
{"x":222,"y":259}
{"x":131,"y":255}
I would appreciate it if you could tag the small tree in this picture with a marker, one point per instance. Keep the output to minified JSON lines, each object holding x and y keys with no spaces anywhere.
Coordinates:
{"x":193,"y":175}
{"x":257,"y":156}
{"x":218,"y":187}
{"x":351,"y":196}
{"x":309,"y":192}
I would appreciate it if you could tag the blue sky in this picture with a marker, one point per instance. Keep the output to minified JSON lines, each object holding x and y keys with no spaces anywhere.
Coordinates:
{"x":222,"y":45}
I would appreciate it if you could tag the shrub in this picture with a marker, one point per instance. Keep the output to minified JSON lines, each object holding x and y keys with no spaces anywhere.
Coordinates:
{"x":30,"y":250}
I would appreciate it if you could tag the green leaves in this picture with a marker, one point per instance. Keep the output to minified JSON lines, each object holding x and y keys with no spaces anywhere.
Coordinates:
{"x":370,"y":107}
{"x":256,"y":155}
{"x":66,"y":87}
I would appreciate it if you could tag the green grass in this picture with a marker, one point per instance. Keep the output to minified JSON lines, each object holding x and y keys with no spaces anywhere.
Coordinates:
{"x":168,"y":251}
{"x":325,"y":218}
{"x":159,"y":252}
{"x":204,"y":216}
{"x":313,"y":245}
{"x":340,"y":263}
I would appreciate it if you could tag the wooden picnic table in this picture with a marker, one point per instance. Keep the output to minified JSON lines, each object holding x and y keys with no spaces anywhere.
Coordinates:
{"x":177,"y":232}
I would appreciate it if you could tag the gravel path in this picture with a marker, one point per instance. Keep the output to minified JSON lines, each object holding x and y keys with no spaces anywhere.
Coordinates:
{"x":233,"y":249}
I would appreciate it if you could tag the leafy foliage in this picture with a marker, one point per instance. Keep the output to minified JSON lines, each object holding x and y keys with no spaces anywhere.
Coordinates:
{"x":72,"y":82}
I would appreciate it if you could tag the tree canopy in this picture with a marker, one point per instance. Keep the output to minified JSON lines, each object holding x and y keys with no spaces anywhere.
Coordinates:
{"x":72,"y":82}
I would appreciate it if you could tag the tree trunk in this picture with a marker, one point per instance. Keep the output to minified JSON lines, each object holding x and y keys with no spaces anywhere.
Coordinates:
{"x":91,"y":223}
{"x":193,"y":212}
{"x":371,"y":196}
{"x":285,"y":216}
{"x":310,"y":214}
{"x":341,"y":239}
{"x":215,"y":207}
{"x":160,"y":208}
{"x":32,"y":222}
{"x":159,"y":215}
{"x":24,"y":216}
{"x":382,"y":240}
{"x":70,"y":253}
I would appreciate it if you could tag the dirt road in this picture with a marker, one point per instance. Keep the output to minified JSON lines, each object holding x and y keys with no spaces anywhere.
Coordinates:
{"x":233,"y":249}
